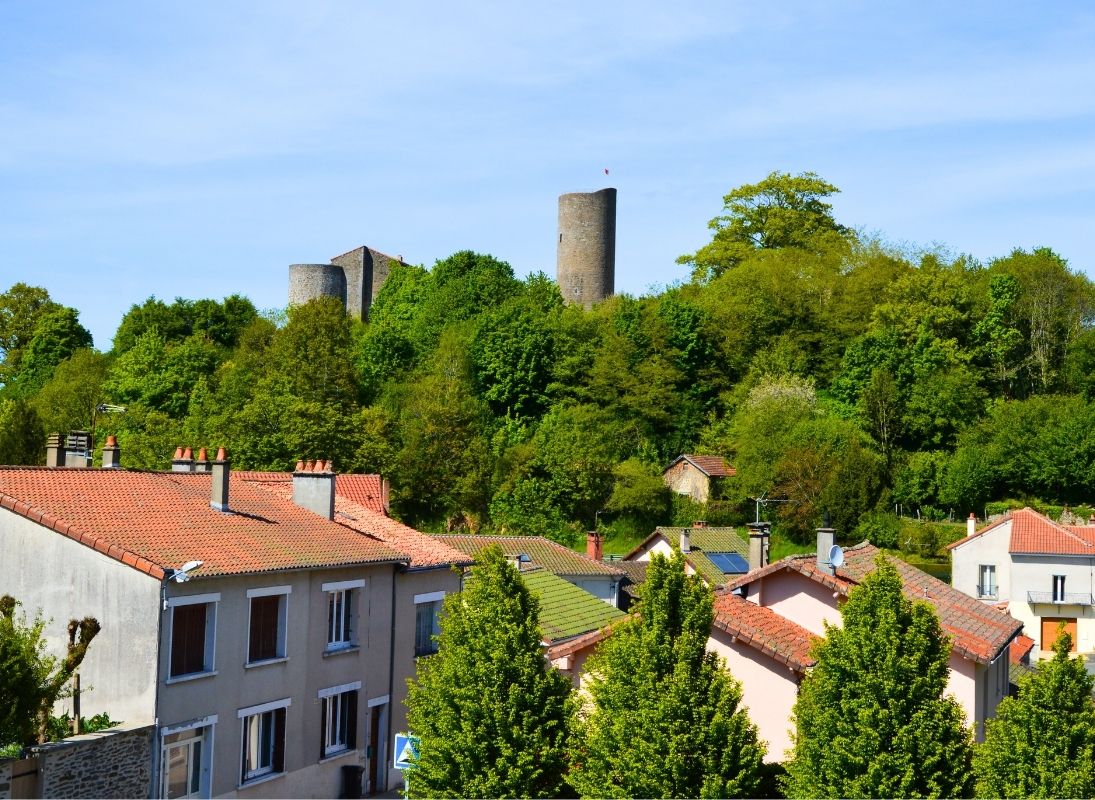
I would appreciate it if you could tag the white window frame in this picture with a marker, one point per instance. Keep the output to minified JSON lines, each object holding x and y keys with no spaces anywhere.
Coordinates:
{"x":1058,"y":597}
{"x":982,"y":586}
{"x":333,"y":700}
{"x":244,"y":715}
{"x":207,"y":727}
{"x":210,"y":601}
{"x":282,"y":648}
{"x":342,"y":616}
{"x":423,"y":599}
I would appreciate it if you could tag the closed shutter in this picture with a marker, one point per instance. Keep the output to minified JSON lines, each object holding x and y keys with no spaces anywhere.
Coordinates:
{"x":188,"y":639}
{"x":264,"y":628}
{"x":1050,"y":626}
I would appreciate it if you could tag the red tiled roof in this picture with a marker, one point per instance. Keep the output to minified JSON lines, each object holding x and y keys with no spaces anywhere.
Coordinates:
{"x":550,"y":555}
{"x":764,"y":629}
{"x":712,"y":466}
{"x":158,"y":521}
{"x":424,"y":551}
{"x":978,"y":631}
{"x":1033,"y":533}
{"x":1020,"y":648}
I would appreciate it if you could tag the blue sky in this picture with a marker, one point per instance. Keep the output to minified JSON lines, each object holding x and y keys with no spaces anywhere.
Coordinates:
{"x":197,"y":149}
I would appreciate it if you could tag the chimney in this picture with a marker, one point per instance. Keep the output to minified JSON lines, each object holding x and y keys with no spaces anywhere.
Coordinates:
{"x":766,"y":538}
{"x":112,"y":454}
{"x":218,"y":494}
{"x":183,"y":460}
{"x":971,"y":524}
{"x":826,"y":538}
{"x":594,"y":545}
{"x":78,"y":449}
{"x":385,"y":495}
{"x":55,"y":451}
{"x":314,"y":487}
{"x":686,"y":542}
{"x":758,"y":545}
{"x":699,"y":523}
{"x":202,"y":463}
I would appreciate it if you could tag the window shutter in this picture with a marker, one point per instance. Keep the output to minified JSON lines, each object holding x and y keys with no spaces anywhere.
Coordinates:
{"x":323,"y":727}
{"x":279,"y":740}
{"x":351,"y":721}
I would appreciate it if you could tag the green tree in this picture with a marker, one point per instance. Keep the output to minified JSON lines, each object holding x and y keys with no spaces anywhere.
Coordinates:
{"x":1042,"y":743}
{"x":871,"y":719}
{"x":31,"y":680}
{"x":782,"y":211}
{"x":493,"y":718}
{"x":57,"y":336}
{"x":22,"y":435}
{"x":666,"y":719}
{"x":21,"y":307}
{"x":68,"y":400}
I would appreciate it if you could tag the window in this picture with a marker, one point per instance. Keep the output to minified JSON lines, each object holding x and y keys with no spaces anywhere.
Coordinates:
{"x":185,"y":754}
{"x":267,"y":627}
{"x":193,"y":634}
{"x":987,"y":578}
{"x":341,"y":607}
{"x":339,"y":708}
{"x":263,"y":740}
{"x":1058,"y":588}
{"x":427,"y":612}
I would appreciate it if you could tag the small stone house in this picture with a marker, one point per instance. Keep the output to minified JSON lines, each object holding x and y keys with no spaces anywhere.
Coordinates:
{"x":697,"y":476}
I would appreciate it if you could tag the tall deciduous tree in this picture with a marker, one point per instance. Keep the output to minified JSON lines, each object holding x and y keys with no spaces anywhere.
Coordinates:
{"x":781,"y":211}
{"x":871,"y":719}
{"x":492,"y":716}
{"x":1042,"y":743}
{"x":666,"y":719}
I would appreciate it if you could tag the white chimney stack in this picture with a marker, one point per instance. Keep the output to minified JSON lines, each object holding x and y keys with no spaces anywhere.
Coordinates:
{"x":686,"y":542}
{"x":314,"y":487}
{"x":971,"y":524}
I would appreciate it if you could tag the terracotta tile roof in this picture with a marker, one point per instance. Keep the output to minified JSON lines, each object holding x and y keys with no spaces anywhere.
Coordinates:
{"x":570,"y":646}
{"x":543,"y":552}
{"x":157,"y":521}
{"x":1036,"y":534}
{"x":765,"y":630}
{"x":424,"y":551}
{"x":565,"y":610}
{"x":711,"y":466}
{"x":978,"y":631}
{"x":1020,"y":648}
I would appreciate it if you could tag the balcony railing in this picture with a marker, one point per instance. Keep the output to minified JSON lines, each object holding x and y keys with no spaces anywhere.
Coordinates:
{"x":989,"y":592}
{"x":1067,"y":599}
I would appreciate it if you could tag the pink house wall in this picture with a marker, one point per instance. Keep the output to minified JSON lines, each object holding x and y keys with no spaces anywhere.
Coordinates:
{"x":799,"y":599}
{"x":769,"y":690}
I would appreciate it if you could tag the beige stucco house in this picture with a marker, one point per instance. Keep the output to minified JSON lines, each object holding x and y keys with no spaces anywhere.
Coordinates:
{"x":267,"y":635}
{"x":767,"y":619}
{"x":1041,"y":571}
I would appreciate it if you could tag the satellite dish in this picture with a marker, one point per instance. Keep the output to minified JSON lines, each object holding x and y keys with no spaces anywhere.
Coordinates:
{"x":836,"y":556}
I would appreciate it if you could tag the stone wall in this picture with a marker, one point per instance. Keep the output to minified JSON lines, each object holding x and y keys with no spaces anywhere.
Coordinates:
{"x":586,"y":253}
{"x":110,"y":763}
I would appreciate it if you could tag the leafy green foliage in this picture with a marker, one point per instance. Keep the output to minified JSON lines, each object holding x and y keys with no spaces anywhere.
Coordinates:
{"x":872,"y":719}
{"x":782,"y":211}
{"x":492,"y":716}
{"x":1042,"y":743}
{"x":666,"y":719}
{"x":22,"y":435}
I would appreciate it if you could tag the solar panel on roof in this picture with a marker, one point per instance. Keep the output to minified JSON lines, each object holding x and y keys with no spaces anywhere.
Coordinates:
{"x":729,"y":563}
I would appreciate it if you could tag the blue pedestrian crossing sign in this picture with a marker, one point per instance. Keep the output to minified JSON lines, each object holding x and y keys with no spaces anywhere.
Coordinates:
{"x":406,"y":750}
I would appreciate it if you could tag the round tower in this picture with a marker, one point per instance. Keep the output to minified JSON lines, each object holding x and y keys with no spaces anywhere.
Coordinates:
{"x":309,"y":281}
{"x":586,"y":266}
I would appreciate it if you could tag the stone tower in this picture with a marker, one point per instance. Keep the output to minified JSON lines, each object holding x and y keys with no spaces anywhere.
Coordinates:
{"x":354,"y":278}
{"x":586,"y":266}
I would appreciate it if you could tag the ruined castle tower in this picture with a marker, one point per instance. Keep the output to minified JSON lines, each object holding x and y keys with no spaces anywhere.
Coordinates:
{"x":354,"y":278}
{"x":586,"y":265}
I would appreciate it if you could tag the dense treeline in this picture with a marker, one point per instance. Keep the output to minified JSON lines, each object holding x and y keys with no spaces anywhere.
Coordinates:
{"x":834,"y":371}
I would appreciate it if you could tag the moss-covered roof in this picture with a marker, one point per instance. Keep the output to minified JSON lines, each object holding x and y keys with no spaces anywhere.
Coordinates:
{"x":543,"y":552}
{"x":566,"y":610}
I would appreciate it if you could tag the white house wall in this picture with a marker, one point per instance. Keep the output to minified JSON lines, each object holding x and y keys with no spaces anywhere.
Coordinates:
{"x":49,"y":572}
{"x":1035,"y":573}
{"x":988,"y":548}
